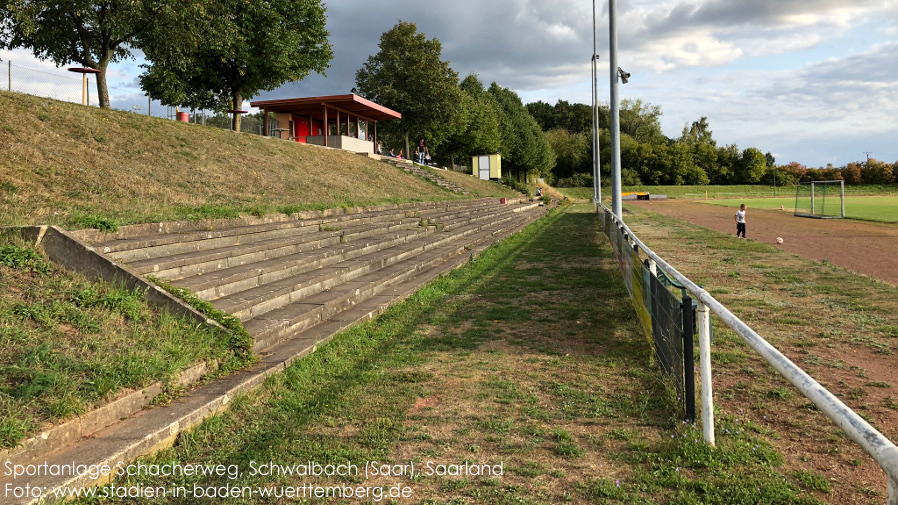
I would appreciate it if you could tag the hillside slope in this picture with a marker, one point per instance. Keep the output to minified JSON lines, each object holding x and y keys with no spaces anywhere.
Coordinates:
{"x":75,"y":166}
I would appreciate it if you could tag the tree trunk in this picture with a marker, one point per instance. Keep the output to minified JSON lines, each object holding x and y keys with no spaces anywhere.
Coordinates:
{"x":408,"y":154}
{"x":237,"y":103}
{"x":452,"y":161}
{"x":102,"y":88}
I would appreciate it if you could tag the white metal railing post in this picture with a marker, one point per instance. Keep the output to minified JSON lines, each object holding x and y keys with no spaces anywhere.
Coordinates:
{"x":653,"y":267}
{"x":704,"y":353}
{"x":888,"y":459}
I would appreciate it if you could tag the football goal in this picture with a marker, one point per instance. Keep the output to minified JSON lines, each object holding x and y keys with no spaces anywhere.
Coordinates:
{"x":820,"y":199}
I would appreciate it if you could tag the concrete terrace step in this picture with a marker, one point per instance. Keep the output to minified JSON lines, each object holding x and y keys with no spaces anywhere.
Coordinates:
{"x":224,"y":281}
{"x":154,"y":241}
{"x":229,"y":280}
{"x":134,"y":249}
{"x":277,"y":325}
{"x":149,"y":248}
{"x":258,"y":300}
{"x":199,"y":262}
{"x":167,"y":263}
{"x":160,"y":234}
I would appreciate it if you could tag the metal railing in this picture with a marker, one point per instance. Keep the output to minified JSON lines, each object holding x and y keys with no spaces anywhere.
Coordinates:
{"x":880,"y":448}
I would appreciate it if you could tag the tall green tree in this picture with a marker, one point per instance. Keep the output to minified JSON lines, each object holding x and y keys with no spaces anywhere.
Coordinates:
{"x":640,"y":120}
{"x":543,"y":113}
{"x":698,"y":138}
{"x":267,"y":43}
{"x":573,"y":117}
{"x":525,"y":149}
{"x":407,"y":75}
{"x":750,"y":166}
{"x":573,"y":152}
{"x":476,"y":129}
{"x":90,"y":33}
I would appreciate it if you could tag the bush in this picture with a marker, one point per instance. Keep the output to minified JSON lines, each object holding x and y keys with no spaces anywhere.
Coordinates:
{"x":81,"y":220}
{"x":515,"y":185}
{"x":24,"y":258}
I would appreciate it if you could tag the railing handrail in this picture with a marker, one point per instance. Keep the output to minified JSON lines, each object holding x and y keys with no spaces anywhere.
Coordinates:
{"x":880,"y":448}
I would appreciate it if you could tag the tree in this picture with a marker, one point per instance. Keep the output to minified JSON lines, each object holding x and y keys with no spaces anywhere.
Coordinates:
{"x":407,"y":75}
{"x":750,"y":166}
{"x":476,"y":129}
{"x":572,"y":152}
{"x":90,"y":33}
{"x":698,"y":133}
{"x":698,"y":137}
{"x":874,"y":171}
{"x":543,"y":113}
{"x":267,"y":43}
{"x":852,"y":174}
{"x":524,"y":147}
{"x":727,"y":159}
{"x":573,"y":117}
{"x":641,"y":121}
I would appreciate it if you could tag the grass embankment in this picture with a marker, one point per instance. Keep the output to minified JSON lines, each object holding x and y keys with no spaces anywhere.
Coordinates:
{"x":840,"y":327}
{"x":787,"y":193}
{"x":529,"y":357}
{"x":67,"y":344}
{"x":80,"y":166}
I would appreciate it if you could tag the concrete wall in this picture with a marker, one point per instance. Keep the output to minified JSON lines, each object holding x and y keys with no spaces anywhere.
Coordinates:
{"x":343,"y":142}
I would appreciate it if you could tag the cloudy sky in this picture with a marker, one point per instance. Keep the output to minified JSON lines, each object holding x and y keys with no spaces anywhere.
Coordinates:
{"x":812,"y":81}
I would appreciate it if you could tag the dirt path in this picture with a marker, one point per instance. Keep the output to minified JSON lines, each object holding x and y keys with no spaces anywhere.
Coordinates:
{"x":866,"y":248}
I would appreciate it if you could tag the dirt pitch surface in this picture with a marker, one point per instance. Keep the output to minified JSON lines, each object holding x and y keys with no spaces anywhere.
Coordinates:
{"x":863,"y":247}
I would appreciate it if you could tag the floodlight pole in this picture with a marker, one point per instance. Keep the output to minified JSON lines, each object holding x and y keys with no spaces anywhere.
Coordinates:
{"x":594,"y":81}
{"x":616,"y":205}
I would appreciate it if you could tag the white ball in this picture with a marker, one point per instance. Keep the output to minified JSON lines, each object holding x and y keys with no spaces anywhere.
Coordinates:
{"x":779,"y":240}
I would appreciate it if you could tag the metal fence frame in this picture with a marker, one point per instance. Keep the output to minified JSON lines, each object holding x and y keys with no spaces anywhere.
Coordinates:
{"x":880,"y":448}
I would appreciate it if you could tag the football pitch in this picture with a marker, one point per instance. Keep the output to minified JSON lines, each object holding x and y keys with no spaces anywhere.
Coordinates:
{"x":867,"y":208}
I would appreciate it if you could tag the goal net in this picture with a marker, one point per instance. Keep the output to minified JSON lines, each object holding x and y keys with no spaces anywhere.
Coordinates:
{"x":820,"y":199}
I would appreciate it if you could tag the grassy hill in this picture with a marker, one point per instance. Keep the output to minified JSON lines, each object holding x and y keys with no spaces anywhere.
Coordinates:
{"x":80,"y":167}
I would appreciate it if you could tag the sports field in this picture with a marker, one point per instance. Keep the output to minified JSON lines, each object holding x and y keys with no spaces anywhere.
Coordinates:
{"x":867,"y":247}
{"x":867,"y":208}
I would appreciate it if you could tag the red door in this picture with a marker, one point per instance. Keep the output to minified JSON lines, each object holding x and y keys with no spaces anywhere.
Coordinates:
{"x":302,"y":129}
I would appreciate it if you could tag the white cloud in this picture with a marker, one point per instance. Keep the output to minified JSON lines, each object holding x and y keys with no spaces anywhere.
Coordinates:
{"x":673,"y":35}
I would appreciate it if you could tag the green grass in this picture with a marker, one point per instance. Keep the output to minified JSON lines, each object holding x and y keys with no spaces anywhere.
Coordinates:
{"x":868,"y":208}
{"x":787,"y":194}
{"x":457,"y":373}
{"x":68,"y":345}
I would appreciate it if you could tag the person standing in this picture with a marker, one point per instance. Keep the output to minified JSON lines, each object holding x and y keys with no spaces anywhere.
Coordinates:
{"x":422,"y":148}
{"x":740,"y":221}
